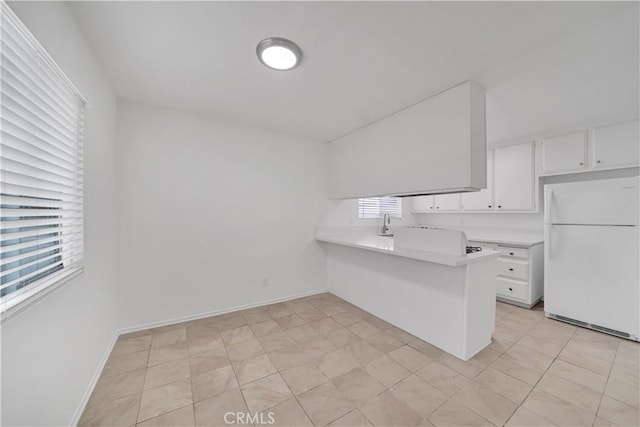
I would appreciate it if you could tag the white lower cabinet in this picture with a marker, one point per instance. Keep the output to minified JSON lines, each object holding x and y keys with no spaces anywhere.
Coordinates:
{"x":519,"y":275}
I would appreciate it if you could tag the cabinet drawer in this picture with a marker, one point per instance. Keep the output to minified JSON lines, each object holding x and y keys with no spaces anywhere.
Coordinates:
{"x":512,"y":288}
{"x":513,"y":268}
{"x":508,"y":252}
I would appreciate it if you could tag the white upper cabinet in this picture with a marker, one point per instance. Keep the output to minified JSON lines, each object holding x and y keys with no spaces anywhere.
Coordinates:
{"x":433,"y":146}
{"x":616,"y":145}
{"x":481,"y":200}
{"x":564,"y":153}
{"x":422,"y":204}
{"x":446,"y":202}
{"x":514,"y":177}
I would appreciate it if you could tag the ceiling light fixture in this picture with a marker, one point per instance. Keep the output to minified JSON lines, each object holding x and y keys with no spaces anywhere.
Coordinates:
{"x":279,"y":54}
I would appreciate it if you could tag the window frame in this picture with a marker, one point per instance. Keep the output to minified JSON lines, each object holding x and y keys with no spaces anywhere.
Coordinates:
{"x":380,"y":214}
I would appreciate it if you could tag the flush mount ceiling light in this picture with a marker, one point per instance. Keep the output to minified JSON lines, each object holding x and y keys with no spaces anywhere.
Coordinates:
{"x":278,"y":53}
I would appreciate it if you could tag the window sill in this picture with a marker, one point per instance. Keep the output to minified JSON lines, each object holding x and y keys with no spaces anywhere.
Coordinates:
{"x":20,"y":303}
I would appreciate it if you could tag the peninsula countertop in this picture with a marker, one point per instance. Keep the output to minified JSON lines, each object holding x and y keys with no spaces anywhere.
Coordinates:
{"x":367,"y":239}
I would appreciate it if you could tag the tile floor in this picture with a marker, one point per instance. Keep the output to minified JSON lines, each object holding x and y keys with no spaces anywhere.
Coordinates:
{"x":321,"y":361}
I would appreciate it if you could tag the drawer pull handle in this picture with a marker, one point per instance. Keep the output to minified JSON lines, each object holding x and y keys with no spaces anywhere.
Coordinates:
{"x":511,"y":269}
{"x":511,"y":253}
{"x":511,"y":289}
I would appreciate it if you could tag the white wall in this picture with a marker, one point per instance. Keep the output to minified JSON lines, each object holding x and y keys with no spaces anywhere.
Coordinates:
{"x":581,"y":81}
{"x":209,"y":209}
{"x":51,"y":351}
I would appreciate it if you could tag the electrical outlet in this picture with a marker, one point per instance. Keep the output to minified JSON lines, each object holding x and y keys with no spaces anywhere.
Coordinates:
{"x":265,"y":281}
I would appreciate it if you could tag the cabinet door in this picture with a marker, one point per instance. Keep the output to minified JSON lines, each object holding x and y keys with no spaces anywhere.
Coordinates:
{"x":481,"y":200}
{"x":616,"y":145}
{"x":446,"y":202}
{"x":514,"y":178}
{"x":422,"y":204}
{"x":564,"y":153}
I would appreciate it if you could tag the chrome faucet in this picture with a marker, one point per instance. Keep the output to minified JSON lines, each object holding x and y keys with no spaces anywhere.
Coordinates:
{"x":386,"y":221}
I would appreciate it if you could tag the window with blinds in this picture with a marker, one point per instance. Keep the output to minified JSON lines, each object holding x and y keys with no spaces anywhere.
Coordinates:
{"x":41,"y":164}
{"x":375,"y":207}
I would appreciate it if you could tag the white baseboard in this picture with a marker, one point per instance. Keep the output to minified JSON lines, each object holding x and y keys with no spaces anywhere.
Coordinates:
{"x":217,"y":312}
{"x":94,"y":380}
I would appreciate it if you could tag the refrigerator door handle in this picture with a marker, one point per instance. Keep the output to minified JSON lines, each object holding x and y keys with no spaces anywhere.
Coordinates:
{"x":547,"y":241}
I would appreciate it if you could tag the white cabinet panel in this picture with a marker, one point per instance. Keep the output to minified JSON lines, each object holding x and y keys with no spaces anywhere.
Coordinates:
{"x":564,"y":153}
{"x":481,"y":200}
{"x":514,"y":177}
{"x":616,"y":145}
{"x":446,"y":202}
{"x":422,"y":204}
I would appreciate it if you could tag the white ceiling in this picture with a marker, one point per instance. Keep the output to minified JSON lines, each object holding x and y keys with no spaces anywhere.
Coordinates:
{"x":362,"y":60}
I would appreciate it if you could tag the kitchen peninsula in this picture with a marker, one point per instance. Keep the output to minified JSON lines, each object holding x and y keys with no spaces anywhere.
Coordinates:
{"x":442,"y":297}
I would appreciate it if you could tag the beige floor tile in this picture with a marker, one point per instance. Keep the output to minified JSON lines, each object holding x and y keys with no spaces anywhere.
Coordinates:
{"x":379,"y":323}
{"x":419,"y":395}
{"x":208,"y":361}
{"x":425,"y":348}
{"x":317,"y":348}
{"x":363,"y":352}
{"x":290,"y":321}
{"x":618,"y":412}
{"x":357,"y":385}
{"x":630,"y":361}
{"x":312,"y":315}
{"x":205,"y":343}
{"x":529,"y":356}
{"x":199,"y":330}
{"x":127,"y":363}
{"x":167,"y":373}
{"x":517,"y":369}
{"x":265,"y":393}
{"x":596,"y":349}
{"x":279,"y":310}
{"x":325,"y":325}
{"x":212,"y":411}
{"x":342,"y":337}
{"x":557,"y":410}
{"x":163,"y":399}
{"x":289,"y":414}
{"x":324,"y":404}
{"x":363,"y":329}
{"x":549,"y":348}
{"x":290,"y":357}
{"x":182,"y":417}
{"x":304,"y":334}
{"x":486,"y":356}
{"x":276,"y":341}
{"x":213,"y":383}
{"x":579,"y":395}
{"x":625,"y":375}
{"x":116,"y":386}
{"x":256,"y":317}
{"x":387,"y":370}
{"x":444,"y":379}
{"x":265,"y":328}
{"x":354,"y":418}
{"x":401,"y":335}
{"x":232,"y":322}
{"x":525,"y":418}
{"x":453,"y":413}
{"x":470,"y":369}
{"x":384,"y":342}
{"x":169,"y":337}
{"x":244,"y":350}
{"x":237,"y":335}
{"x":336,"y":363}
{"x":410,"y":358}
{"x":347,"y":319}
{"x":300,"y":306}
{"x":578,"y":375}
{"x":303,"y":378}
{"x":623,"y":392}
{"x":175,"y":351}
{"x":117,"y":412}
{"x":131,"y":345}
{"x":504,"y":385}
{"x":578,"y":358}
{"x":484,"y":402}
{"x":252,"y":369}
{"x":387,"y":410}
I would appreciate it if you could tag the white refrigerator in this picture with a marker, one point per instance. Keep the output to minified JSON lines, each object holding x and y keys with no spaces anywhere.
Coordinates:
{"x":591,"y":271}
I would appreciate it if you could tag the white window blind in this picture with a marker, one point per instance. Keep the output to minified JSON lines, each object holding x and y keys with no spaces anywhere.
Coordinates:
{"x":41,"y":163}
{"x":375,"y":207}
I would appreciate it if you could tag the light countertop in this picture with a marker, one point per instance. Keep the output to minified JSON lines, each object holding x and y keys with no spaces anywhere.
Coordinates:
{"x":504,"y":236}
{"x":365,"y":238}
